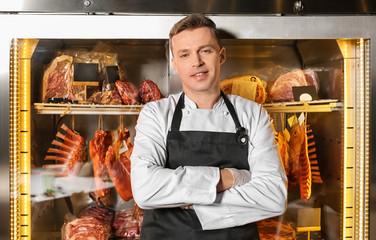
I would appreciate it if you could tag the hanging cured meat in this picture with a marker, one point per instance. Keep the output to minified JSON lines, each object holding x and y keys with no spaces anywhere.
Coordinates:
{"x":295,"y":144}
{"x":283,"y":148}
{"x":69,"y":150}
{"x":149,"y":91}
{"x":311,"y":147}
{"x":98,"y":147}
{"x":128,"y":92}
{"x":305,"y":177}
{"x":304,"y":168}
{"x":119,"y":164}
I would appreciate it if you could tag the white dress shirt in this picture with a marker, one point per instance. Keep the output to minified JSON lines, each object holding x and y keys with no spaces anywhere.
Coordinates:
{"x":155,"y":186}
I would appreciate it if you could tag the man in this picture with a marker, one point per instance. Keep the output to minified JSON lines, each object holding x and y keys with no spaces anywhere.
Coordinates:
{"x":204,"y":165}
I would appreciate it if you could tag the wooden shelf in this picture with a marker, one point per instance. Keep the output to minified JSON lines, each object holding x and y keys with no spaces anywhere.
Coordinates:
{"x":325,"y":105}
{"x":86,"y":109}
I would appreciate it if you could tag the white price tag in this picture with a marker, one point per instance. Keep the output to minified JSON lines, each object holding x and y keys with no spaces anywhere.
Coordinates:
{"x":301,"y":118}
{"x":123,"y":147}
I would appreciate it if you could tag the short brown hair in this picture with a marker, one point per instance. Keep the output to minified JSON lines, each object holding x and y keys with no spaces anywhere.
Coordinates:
{"x":194,"y":21}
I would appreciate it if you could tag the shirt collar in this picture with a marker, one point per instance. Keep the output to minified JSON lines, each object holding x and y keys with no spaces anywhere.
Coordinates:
{"x":189,"y":104}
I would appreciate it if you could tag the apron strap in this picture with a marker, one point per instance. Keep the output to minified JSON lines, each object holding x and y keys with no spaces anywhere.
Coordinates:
{"x":231,"y":109}
{"x":242,"y":136}
{"x":176,"y":120}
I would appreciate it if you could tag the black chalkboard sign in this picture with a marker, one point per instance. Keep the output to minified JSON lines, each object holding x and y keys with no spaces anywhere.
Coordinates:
{"x":304,"y":93}
{"x":86,"y":74}
{"x":112,"y":74}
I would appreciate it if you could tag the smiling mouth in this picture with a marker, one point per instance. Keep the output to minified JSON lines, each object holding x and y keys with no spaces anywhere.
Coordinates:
{"x":199,"y":74}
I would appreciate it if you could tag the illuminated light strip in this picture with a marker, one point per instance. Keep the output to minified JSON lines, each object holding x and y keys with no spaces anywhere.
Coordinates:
{"x":366,"y":140}
{"x":344,"y":141}
{"x":24,"y":81}
{"x":14,"y":142}
{"x":345,"y":119}
{"x":360,"y":195}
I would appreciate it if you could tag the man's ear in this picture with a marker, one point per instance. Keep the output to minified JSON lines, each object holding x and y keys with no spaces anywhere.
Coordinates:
{"x":222,"y":55}
{"x":173,"y":63}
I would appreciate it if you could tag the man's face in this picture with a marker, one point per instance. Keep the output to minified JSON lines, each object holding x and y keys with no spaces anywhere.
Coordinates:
{"x":197,"y":58}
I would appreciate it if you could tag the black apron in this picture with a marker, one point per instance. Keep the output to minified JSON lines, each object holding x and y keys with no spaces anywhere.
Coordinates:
{"x":198,"y":148}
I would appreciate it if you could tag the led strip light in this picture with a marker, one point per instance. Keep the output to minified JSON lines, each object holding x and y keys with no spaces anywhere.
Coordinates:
{"x":345,"y":144}
{"x":26,"y":48}
{"x":366,"y":139}
{"x":360,"y":140}
{"x":362,"y":220}
{"x":14,"y":141}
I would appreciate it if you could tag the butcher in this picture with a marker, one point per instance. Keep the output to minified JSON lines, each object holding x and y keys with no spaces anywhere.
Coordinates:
{"x":205,"y":165}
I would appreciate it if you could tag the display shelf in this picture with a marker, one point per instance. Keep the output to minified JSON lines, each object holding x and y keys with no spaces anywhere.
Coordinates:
{"x":325,"y":105}
{"x":86,"y":109}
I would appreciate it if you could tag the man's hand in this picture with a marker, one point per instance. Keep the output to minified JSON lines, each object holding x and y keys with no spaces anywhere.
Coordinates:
{"x":187,"y":207}
{"x":241,"y":176}
{"x":231,"y":177}
{"x":226,"y":180}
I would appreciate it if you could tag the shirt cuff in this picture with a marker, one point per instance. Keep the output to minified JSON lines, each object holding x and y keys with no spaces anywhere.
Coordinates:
{"x":201,"y":184}
{"x":214,"y":216}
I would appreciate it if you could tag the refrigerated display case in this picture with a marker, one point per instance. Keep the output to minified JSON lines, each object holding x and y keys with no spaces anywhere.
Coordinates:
{"x":339,"y":49}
